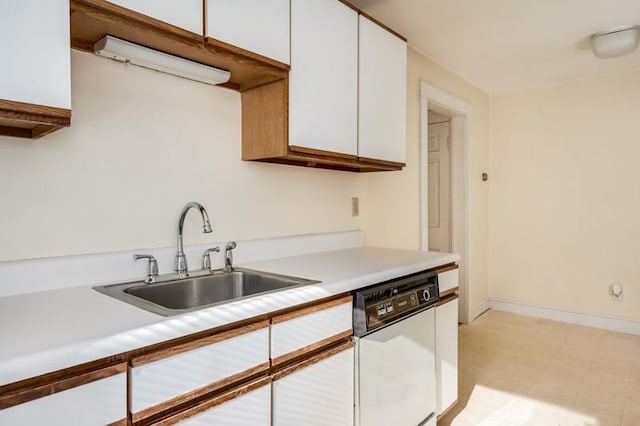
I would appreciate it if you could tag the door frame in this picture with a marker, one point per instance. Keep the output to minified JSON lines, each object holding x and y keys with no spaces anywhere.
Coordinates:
{"x":461,"y":116}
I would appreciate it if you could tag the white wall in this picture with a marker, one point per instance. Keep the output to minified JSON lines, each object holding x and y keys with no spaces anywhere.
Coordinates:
{"x":390,"y":202}
{"x":140,"y":146}
{"x":565,"y":195}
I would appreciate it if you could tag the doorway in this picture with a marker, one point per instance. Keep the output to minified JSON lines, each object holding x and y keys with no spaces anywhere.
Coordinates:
{"x":459,"y":115}
{"x":439,"y":181}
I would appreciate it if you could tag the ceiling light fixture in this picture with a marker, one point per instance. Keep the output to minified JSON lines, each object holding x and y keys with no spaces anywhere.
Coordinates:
{"x":124,"y":51}
{"x":615,"y":42}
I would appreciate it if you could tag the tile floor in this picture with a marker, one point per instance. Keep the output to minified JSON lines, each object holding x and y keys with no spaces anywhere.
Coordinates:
{"x":517,"y":370}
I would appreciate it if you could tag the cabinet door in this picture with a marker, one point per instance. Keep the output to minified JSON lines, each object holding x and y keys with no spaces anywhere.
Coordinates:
{"x":260,"y":26}
{"x":319,"y":394}
{"x":323,"y":82}
{"x":246,"y":407}
{"x":186,"y":14}
{"x":36,"y":58}
{"x":446,"y":355}
{"x":382,"y":94}
{"x":94,"y":404}
{"x":166,"y":378}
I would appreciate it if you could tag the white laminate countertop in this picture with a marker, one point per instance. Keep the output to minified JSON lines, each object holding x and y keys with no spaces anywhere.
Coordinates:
{"x":47,"y":331}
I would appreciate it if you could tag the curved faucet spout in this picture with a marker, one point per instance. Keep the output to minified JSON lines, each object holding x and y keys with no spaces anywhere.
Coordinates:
{"x":181,"y":259}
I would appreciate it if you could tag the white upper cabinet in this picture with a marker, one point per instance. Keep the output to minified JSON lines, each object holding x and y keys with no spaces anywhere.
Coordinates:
{"x":186,"y":14}
{"x":382,"y":94}
{"x":323,"y":82}
{"x":36,"y":53}
{"x":260,"y":26}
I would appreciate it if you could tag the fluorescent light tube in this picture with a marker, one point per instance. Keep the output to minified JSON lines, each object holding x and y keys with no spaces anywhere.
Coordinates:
{"x":124,"y":51}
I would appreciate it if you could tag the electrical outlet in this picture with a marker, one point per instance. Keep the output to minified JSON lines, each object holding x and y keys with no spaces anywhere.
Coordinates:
{"x":355,"y":206}
{"x":616,"y":291}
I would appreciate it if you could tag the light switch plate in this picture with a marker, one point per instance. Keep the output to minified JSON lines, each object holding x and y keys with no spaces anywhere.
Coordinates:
{"x":355,"y":206}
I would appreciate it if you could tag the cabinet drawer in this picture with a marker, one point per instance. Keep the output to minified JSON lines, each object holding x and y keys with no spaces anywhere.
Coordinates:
{"x":97,"y":403}
{"x":293,"y":334}
{"x":448,"y":280}
{"x":248,"y":405}
{"x":316,"y":392}
{"x":160,"y":380}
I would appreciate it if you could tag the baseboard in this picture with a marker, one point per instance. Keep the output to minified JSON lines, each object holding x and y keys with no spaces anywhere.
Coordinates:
{"x":620,"y":325}
{"x":478,"y":310}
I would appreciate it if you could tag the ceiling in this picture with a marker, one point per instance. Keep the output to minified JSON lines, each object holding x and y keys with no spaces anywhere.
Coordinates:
{"x":504,"y":45}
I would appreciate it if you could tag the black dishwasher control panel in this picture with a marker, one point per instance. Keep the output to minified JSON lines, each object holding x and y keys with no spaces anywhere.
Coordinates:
{"x":389,"y":302}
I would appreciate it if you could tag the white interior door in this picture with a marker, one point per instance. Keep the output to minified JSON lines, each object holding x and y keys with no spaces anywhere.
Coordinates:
{"x":439,"y":186}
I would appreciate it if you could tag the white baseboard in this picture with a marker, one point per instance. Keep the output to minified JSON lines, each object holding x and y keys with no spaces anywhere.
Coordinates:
{"x":478,"y":310}
{"x":620,"y":325}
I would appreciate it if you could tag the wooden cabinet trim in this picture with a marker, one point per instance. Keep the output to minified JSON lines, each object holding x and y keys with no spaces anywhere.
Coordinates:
{"x":311,"y":309}
{"x":372,"y":19}
{"x":449,"y":408}
{"x":449,"y":292}
{"x":279,"y":374}
{"x":445,"y":268}
{"x":197,"y":394}
{"x":123,"y":422}
{"x":319,"y":152}
{"x":213,"y":402}
{"x":448,"y":298}
{"x":30,"y":121}
{"x":10,"y":399}
{"x":306,"y":350}
{"x":195,"y":344}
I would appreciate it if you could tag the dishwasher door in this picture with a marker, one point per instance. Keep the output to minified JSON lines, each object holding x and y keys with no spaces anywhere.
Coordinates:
{"x":395,"y":383}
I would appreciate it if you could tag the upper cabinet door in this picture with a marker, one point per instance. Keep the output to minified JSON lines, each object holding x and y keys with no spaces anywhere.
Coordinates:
{"x":36,"y":54}
{"x":186,"y":14}
{"x":382,"y":94}
{"x":323,"y":82}
{"x":260,"y":26}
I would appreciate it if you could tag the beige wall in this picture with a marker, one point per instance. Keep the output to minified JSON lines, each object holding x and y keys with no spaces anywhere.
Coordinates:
{"x":565,"y":195}
{"x":141,"y":145}
{"x":390,"y":203}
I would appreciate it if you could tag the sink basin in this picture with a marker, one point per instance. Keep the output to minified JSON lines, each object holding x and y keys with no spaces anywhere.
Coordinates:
{"x":190,"y":294}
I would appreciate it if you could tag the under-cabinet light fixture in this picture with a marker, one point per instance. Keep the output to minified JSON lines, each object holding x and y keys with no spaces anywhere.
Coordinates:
{"x":134,"y":54}
{"x":615,"y":42}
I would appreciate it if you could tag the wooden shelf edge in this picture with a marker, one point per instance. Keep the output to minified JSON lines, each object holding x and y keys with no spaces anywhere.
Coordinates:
{"x":30,"y":121}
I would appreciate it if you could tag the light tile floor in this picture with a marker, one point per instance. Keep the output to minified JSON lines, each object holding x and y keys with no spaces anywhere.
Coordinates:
{"x":517,"y":370}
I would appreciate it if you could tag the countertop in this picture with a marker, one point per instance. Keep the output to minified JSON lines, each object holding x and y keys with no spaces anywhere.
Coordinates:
{"x":51,"y":330}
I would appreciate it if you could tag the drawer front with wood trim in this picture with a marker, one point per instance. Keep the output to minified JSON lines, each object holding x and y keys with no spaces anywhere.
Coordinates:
{"x":96,"y":403}
{"x":160,"y":380}
{"x":260,"y":26}
{"x":248,"y":405}
{"x":316,"y":392}
{"x":186,"y":14}
{"x":299,"y":332}
{"x":448,"y":280}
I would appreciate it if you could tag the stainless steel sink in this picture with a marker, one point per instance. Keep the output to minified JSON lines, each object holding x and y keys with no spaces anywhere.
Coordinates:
{"x":190,"y":294}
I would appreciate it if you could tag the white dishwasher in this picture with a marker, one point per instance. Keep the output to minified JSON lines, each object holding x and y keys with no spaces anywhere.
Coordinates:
{"x":394,"y":327}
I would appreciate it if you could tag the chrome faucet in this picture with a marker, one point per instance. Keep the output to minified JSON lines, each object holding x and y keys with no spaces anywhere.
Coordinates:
{"x":228,"y":256}
{"x":181,"y":260}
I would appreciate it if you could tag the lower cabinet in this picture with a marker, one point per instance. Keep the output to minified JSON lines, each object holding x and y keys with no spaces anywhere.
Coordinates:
{"x":96,"y":403}
{"x":446,"y":355}
{"x":319,"y":391}
{"x":248,"y":405}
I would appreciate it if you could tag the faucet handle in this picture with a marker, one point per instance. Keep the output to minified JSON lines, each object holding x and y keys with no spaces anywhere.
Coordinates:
{"x":206,"y":258}
{"x":152,"y":266}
